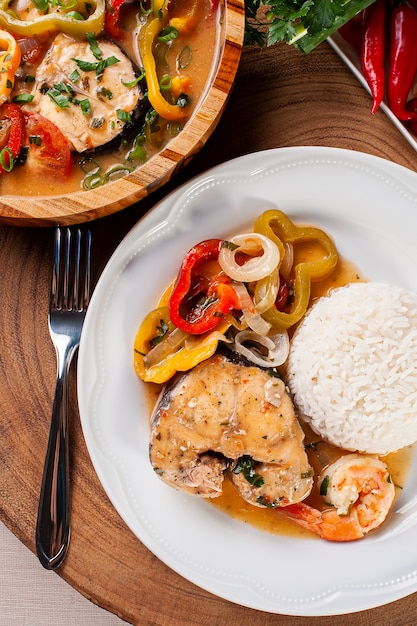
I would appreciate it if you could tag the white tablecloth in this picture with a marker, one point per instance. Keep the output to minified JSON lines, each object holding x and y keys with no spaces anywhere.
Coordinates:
{"x":33,"y":596}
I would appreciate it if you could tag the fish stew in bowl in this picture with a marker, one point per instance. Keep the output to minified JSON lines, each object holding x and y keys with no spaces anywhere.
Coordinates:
{"x":92,"y":93}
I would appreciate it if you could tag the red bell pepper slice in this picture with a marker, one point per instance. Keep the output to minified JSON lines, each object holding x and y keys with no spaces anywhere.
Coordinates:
{"x":111,"y":19}
{"x":12,"y":125}
{"x":198,"y":303}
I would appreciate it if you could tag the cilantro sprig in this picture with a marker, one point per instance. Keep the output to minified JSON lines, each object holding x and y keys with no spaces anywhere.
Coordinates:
{"x":303,"y":23}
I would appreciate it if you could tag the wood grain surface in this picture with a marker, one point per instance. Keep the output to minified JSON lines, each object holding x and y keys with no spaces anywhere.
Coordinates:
{"x":281,"y":98}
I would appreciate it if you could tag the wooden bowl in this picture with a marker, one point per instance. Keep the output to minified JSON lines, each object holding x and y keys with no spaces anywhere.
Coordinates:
{"x":82,"y":206}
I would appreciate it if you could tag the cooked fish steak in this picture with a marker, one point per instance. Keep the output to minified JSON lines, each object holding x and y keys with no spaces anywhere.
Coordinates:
{"x":105,"y":92}
{"x":217,"y":415}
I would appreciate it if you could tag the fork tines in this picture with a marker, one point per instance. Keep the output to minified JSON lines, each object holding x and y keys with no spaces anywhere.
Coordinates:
{"x":70,"y":287}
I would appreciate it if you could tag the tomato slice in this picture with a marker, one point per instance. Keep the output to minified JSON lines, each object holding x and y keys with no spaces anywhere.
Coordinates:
{"x":11,"y":135}
{"x":49,"y":152}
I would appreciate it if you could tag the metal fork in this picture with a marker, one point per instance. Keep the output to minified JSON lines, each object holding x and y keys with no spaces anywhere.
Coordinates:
{"x":70,"y":294}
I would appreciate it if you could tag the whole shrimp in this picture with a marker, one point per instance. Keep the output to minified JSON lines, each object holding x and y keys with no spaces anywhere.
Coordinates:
{"x":360,"y":493}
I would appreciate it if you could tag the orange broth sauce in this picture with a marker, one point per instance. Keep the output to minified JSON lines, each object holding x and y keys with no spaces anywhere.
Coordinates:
{"x":201,"y":43}
{"x":320,"y":453}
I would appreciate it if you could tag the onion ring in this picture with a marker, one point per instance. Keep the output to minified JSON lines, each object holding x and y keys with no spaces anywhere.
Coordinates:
{"x":256,"y":267}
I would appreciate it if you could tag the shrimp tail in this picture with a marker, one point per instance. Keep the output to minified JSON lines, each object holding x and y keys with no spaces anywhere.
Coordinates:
{"x":327,"y":524}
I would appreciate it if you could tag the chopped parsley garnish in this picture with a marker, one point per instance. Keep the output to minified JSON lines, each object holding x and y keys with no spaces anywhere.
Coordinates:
{"x":123,"y":116}
{"x":324,"y":485}
{"x":137,"y":80}
{"x":245,"y":465}
{"x":102,"y":92}
{"x":94,"y":47}
{"x":60,"y":99}
{"x":99,"y":67}
{"x":229,"y":245}
{"x":74,"y":76}
{"x":23,"y":97}
{"x":97,"y":122}
{"x":162,"y":331}
{"x":41,"y":5}
{"x":85,"y":106}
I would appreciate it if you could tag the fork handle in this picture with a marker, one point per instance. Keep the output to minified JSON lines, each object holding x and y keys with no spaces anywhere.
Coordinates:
{"x":53,"y":523}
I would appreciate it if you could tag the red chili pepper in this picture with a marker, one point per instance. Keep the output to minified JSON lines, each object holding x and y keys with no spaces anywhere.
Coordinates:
{"x":351,"y":31}
{"x":373,"y":48}
{"x":12,"y":125}
{"x":111,"y":19}
{"x":402,"y":59}
{"x":197,"y":306}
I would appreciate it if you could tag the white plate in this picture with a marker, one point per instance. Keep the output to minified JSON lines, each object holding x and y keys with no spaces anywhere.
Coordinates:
{"x":369,"y":206}
{"x":350,"y":56}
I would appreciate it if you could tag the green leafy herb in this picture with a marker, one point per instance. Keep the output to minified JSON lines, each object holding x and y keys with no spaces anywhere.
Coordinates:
{"x":94,"y":47}
{"x":138,"y":152}
{"x":303,"y":23}
{"x":23,"y":97}
{"x":98,"y":68}
{"x":41,"y":5}
{"x":162,"y":329}
{"x":245,"y":465}
{"x":75,"y":15}
{"x":229,"y":245}
{"x":137,"y":80}
{"x":61,"y":100}
{"x":168,"y":34}
{"x":103,"y":92}
{"x":85,"y":106}
{"x":123,"y":116}
{"x":324,"y":486}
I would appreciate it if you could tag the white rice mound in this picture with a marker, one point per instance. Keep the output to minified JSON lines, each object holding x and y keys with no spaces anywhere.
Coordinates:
{"x":352,"y":368}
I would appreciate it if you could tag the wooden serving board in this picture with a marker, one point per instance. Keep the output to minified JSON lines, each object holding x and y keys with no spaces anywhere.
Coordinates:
{"x":281,"y":98}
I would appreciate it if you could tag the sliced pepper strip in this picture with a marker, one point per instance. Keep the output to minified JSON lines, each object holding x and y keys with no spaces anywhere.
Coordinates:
{"x":54,"y":22}
{"x":147,"y":35}
{"x":12,"y":114}
{"x":186,"y":23}
{"x":220,"y":297}
{"x":278,"y":227}
{"x":182,"y":360}
{"x":112,"y":18}
{"x":10,"y":56}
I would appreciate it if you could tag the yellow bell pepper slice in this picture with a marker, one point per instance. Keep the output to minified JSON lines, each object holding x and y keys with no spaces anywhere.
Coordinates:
{"x":52,"y":22}
{"x":278,"y":227}
{"x":180,"y":85}
{"x":9,"y":62}
{"x":181,"y":361}
{"x":147,"y":35}
{"x":186,"y":23}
